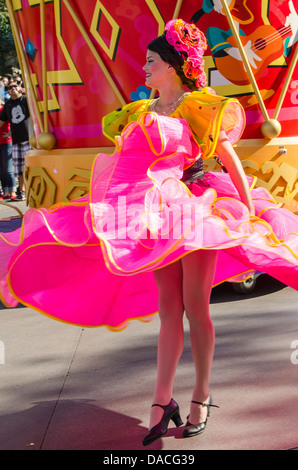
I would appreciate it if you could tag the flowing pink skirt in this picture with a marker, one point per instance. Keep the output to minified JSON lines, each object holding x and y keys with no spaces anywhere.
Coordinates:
{"x":90,"y":262}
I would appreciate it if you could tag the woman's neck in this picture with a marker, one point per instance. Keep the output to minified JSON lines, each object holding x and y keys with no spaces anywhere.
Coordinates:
{"x":168,"y":96}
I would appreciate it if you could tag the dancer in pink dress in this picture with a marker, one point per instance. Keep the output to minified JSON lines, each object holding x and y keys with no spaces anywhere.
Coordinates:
{"x":156,"y":233}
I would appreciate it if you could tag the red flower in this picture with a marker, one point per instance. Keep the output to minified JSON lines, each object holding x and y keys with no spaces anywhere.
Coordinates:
{"x":186,"y":38}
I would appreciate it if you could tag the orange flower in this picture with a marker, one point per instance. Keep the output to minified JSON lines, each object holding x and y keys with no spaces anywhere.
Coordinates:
{"x":190,"y":35}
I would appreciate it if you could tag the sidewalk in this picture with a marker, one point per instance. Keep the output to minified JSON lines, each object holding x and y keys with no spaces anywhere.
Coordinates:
{"x":63,"y":387}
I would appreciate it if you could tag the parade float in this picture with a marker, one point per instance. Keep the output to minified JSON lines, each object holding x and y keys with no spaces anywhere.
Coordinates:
{"x":81,"y":60}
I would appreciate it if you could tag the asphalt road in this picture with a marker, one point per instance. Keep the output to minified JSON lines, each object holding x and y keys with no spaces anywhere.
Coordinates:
{"x":68,"y":388}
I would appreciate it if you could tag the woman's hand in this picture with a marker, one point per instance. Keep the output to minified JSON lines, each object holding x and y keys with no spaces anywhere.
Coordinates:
{"x":233,"y":165}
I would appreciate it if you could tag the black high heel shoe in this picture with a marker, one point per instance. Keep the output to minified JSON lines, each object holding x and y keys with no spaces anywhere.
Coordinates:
{"x":171,"y":412}
{"x":190,"y":429}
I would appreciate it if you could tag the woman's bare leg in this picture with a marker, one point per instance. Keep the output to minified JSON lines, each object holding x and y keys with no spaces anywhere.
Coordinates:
{"x":198,"y":274}
{"x":171,"y":335}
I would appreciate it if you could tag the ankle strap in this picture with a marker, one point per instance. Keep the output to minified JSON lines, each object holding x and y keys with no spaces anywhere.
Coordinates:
{"x":204,"y":404}
{"x":156,"y":404}
{"x":164,"y":406}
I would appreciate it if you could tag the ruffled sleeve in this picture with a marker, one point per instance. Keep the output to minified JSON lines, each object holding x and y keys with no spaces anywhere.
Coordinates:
{"x":114,"y":123}
{"x":207,"y":113}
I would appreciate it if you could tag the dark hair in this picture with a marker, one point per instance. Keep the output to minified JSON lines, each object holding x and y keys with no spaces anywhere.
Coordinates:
{"x":11,"y":80}
{"x":169,"y":54}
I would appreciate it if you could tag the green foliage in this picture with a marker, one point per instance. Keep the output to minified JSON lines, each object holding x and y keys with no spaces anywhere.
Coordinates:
{"x":8,"y":56}
{"x":4,"y":20}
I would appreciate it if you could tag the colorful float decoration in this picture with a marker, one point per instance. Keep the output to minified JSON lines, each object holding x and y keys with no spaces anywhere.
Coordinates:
{"x":81,"y":60}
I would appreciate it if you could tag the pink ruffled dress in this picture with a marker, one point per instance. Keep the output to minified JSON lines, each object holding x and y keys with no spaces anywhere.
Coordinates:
{"x":90,"y":262}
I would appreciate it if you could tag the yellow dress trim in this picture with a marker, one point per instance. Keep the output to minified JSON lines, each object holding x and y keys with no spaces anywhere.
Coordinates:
{"x":205,"y":112}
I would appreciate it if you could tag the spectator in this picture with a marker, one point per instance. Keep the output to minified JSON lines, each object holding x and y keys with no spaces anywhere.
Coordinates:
{"x":2,"y":91}
{"x":16,"y":112}
{"x":19,"y":81}
{"x":7,"y":177}
{"x":5,"y":80}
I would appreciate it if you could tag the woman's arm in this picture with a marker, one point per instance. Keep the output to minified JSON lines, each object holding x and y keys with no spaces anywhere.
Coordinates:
{"x":233,"y":165}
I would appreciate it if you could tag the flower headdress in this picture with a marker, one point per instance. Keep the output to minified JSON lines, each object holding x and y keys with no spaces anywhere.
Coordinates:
{"x":191,"y":44}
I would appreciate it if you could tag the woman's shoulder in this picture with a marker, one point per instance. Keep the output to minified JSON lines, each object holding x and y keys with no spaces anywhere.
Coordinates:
{"x":206,"y":95}
{"x":114,"y":122}
{"x":128,"y":109}
{"x":205,"y":100}
{"x":134,"y":106}
{"x":207,"y":113}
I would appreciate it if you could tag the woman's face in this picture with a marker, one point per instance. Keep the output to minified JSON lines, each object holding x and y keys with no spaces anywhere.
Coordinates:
{"x":157,"y":71}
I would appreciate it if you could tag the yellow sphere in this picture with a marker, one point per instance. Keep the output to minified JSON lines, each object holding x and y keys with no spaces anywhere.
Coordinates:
{"x":271,"y":129}
{"x":46,"y":141}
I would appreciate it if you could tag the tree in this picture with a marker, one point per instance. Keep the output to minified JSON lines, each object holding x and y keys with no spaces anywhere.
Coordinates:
{"x":8,"y":55}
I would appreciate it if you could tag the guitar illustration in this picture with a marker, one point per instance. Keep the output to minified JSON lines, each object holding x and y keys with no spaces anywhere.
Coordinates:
{"x":266,"y":43}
